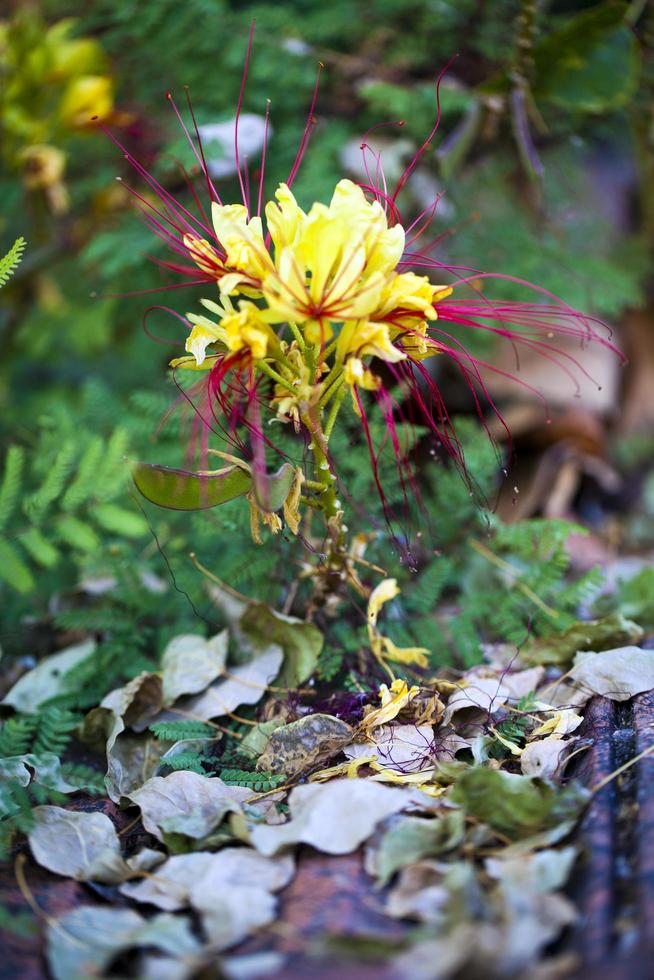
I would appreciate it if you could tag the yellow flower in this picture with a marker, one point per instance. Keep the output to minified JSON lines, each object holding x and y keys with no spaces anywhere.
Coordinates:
{"x":407,"y":303}
{"x":365,"y":337}
{"x":356,"y":373}
{"x":242,"y":239}
{"x":85,"y":97}
{"x":330,"y":264}
{"x":204,"y":255}
{"x":285,"y":219}
{"x":247,"y":329}
{"x":384,"y":246}
{"x":204,"y":333}
{"x":393,"y":699}
{"x":383,"y":593}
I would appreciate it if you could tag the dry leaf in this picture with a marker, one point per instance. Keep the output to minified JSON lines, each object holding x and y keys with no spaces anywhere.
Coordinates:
{"x":333,"y":817}
{"x":186,"y":803}
{"x":615,"y":674}
{"x":79,"y":845}
{"x":480,"y":696}
{"x":232,"y":890}
{"x":190,"y":663}
{"x":234,"y":893}
{"x":304,"y":744}
{"x":544,"y":757}
{"x":401,"y":748}
{"x":48,"y":679}
{"x":246,"y":684}
{"x":82,"y":943}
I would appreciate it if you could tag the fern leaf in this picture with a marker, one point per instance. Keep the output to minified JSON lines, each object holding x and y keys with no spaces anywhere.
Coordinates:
{"x":260,"y":782}
{"x":42,"y":551}
{"x":54,"y":730}
{"x":13,"y":569}
{"x":77,"y":533}
{"x":16,"y":736}
{"x":175,"y":731}
{"x":11,"y":483}
{"x":192,"y":761}
{"x":83,"y":486}
{"x":84,"y":777}
{"x":10,"y":262}
{"x":56,"y":477}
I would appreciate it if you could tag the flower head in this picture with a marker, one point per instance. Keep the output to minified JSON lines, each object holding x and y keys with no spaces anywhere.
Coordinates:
{"x":310,"y":304}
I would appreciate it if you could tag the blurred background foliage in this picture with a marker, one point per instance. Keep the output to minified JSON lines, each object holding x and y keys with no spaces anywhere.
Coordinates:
{"x":545,"y":152}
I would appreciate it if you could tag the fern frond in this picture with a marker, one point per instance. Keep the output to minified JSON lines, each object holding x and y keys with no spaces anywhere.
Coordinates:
{"x":11,"y":483}
{"x":175,"y":731}
{"x":192,"y":761}
{"x":10,"y":262}
{"x":84,"y":777}
{"x":16,"y":735}
{"x":54,"y":730}
{"x":260,"y":782}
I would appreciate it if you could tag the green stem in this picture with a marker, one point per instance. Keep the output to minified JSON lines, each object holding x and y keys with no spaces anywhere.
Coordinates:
{"x":336,"y":405}
{"x":295,"y":330}
{"x":277,"y":378}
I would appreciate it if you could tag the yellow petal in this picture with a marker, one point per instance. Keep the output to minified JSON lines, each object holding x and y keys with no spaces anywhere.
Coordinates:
{"x":404,"y":655}
{"x":383,"y":593}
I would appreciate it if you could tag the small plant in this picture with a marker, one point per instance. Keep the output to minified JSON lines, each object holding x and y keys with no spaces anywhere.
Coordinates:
{"x":313,"y":311}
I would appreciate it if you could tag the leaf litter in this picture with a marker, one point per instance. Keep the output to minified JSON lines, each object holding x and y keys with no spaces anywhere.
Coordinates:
{"x":455,"y":787}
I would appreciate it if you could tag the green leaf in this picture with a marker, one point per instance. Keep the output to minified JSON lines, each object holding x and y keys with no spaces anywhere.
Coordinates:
{"x":11,"y":482}
{"x":10,"y":262}
{"x":413,"y":838}
{"x":182,"y":490}
{"x":78,"y":534}
{"x":300,"y":641}
{"x":120,"y":520}
{"x":41,"y":550}
{"x":13,"y":569}
{"x":591,"y":64}
{"x":173,"y":731}
{"x":517,"y":806}
{"x":596,"y":634}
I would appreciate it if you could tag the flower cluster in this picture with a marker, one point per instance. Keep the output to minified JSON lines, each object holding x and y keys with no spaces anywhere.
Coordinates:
{"x":310,"y":305}
{"x":318,"y":296}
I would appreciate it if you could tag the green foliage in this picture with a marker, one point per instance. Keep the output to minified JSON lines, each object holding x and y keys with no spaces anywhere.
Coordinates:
{"x":193,"y":761}
{"x":43,"y":737}
{"x":54,"y":730}
{"x":259,"y":782}
{"x":10,"y":262}
{"x":633,"y":598}
{"x":175,"y":731}
{"x":515,"y":728}
{"x":16,"y":735}
{"x":19,"y":923}
{"x":58,"y":499}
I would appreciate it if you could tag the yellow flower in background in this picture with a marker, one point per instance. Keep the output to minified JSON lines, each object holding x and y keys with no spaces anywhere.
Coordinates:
{"x":87,"y":97}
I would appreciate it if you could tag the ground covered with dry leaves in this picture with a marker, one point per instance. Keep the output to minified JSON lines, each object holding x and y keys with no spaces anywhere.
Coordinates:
{"x":456,"y":791}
